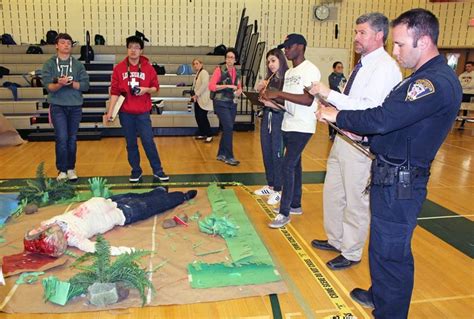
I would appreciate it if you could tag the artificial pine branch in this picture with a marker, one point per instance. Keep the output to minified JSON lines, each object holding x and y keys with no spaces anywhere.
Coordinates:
{"x":124,"y":269}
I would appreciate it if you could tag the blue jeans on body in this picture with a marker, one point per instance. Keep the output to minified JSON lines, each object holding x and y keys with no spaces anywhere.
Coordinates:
{"x":134,"y":125}
{"x":136,"y":207}
{"x":66,"y":121}
{"x":295,"y":143}
{"x":226,"y":112}
{"x":271,"y":140}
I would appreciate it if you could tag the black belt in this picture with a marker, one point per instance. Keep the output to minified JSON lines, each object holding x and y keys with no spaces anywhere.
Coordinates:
{"x":385,"y":171}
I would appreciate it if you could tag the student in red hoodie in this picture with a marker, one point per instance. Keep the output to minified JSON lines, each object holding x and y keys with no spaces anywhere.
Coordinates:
{"x":136,"y":79}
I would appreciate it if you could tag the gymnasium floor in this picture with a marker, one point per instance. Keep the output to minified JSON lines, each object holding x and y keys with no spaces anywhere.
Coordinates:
{"x":442,"y":245}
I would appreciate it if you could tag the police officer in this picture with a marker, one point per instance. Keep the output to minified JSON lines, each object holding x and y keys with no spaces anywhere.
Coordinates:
{"x":409,"y":128}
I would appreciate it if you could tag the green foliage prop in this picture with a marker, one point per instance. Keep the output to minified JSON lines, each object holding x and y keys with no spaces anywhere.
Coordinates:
{"x":43,"y":191}
{"x":99,"y":188}
{"x":124,"y":269}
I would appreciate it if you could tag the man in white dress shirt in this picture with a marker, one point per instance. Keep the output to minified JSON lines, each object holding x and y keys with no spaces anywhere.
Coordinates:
{"x":345,"y":202}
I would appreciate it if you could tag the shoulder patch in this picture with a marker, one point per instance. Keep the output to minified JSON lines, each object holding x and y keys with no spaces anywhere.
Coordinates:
{"x":418,"y":89}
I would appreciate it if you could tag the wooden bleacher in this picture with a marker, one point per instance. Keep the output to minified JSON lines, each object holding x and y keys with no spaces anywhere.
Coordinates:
{"x":29,"y":114}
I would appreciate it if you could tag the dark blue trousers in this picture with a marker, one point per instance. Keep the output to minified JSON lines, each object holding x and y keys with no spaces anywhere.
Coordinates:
{"x":226,"y":112}
{"x":271,"y":139}
{"x":136,"y":207}
{"x":134,"y":125}
{"x":390,"y":257}
{"x":295,"y":143}
{"x":66,"y":120}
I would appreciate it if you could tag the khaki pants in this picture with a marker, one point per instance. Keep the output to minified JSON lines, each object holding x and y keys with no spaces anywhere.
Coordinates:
{"x":346,"y":207}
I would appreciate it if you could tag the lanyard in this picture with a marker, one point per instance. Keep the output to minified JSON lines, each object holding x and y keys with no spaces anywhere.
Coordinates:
{"x":59,"y":70}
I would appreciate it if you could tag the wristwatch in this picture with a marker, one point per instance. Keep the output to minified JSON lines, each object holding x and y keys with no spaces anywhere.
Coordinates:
{"x":55,"y":80}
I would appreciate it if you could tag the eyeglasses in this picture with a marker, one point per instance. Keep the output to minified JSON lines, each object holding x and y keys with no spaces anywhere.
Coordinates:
{"x":134,"y":48}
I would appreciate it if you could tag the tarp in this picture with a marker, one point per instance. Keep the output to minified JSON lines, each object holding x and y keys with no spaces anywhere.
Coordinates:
{"x":175,"y":247}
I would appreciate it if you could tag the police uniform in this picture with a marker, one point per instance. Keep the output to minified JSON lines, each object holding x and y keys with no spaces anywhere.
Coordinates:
{"x":409,"y":128}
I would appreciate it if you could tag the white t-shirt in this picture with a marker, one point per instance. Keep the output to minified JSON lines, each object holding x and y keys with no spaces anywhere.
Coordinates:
{"x":96,"y":216}
{"x":467,"y":82}
{"x":300,"y":118}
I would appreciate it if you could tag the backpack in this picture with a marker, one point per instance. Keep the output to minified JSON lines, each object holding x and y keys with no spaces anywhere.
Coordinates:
{"x":184,"y":69}
{"x":51,"y":37}
{"x":99,"y":39}
{"x":87,"y":53}
{"x":8,"y":39}
{"x":159,"y":69}
{"x":218,"y":50}
{"x":4,"y":71}
{"x":34,"y":49}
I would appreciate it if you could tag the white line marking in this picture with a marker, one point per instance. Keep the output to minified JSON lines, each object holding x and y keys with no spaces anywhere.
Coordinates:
{"x":150,"y":264}
{"x":441,"y":217}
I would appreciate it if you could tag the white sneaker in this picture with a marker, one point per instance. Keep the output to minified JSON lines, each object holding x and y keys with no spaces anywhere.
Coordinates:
{"x":293,"y":211}
{"x":279,"y":221}
{"x":265,"y":190}
{"x":274,"y":198}
{"x":71,"y":175}
{"x":61,"y":177}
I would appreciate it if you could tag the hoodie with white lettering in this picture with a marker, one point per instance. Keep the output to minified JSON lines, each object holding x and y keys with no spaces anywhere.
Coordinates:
{"x":126,"y":76}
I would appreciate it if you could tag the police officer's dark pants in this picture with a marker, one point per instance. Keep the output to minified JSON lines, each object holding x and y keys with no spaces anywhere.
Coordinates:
{"x":271,"y":140}
{"x":390,"y":255}
{"x":226,"y":112}
{"x":295,"y":143}
{"x":136,"y":207}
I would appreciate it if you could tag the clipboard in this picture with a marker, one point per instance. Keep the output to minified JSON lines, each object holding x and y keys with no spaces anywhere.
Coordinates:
{"x":117,"y":107}
{"x":253,"y":97}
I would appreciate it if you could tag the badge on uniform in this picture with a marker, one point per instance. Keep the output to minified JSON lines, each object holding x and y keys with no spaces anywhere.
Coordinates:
{"x":418,"y":89}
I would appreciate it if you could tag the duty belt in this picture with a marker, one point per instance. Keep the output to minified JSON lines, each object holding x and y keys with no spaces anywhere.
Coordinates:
{"x":386,"y":173}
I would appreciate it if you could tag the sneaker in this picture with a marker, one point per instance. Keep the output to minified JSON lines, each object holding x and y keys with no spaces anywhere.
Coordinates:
{"x":232,"y":162}
{"x":293,"y":211}
{"x":279,"y":221}
{"x":161,"y":176}
{"x":208,"y":139}
{"x":134,"y":178}
{"x":220,"y":158}
{"x":199,"y":137}
{"x":265,"y":190}
{"x":274,"y":198}
{"x":61,"y":177}
{"x":71,"y":175}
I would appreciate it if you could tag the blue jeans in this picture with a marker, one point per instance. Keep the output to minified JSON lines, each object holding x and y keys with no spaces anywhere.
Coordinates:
{"x":134,"y":125}
{"x":226,"y":112}
{"x":272,"y":147}
{"x":66,"y":121}
{"x":295,"y":143}
{"x":136,"y":207}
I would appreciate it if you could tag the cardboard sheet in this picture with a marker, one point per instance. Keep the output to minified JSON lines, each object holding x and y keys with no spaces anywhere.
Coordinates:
{"x":175,"y":249}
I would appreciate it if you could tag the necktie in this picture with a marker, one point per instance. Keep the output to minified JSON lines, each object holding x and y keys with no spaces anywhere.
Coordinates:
{"x":348,"y":86}
{"x":347,"y":89}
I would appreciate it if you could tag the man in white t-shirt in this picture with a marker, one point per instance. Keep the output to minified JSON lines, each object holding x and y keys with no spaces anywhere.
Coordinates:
{"x":345,"y":201}
{"x":299,"y":124}
{"x":467,"y":83}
